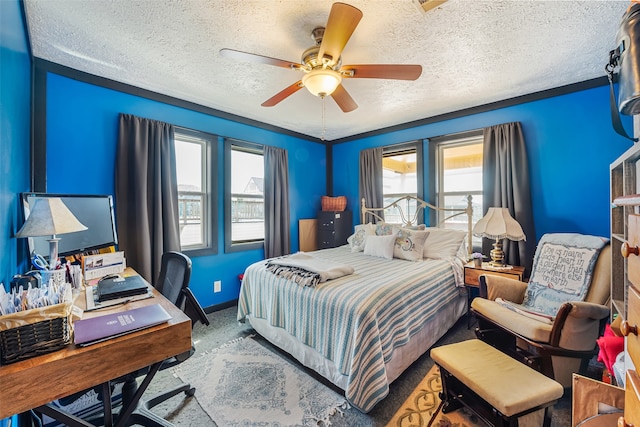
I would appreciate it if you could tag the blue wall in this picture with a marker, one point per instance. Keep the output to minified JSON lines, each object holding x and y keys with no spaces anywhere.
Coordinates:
{"x":570,"y":144}
{"x":15,"y":102}
{"x":82,"y":126}
{"x":569,"y":138}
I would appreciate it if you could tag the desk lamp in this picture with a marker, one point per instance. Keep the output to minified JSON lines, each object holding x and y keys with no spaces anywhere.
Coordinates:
{"x":50,"y":216}
{"x":498,"y":224}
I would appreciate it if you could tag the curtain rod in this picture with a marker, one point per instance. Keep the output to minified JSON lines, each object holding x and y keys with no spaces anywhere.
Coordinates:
{"x":457,"y":135}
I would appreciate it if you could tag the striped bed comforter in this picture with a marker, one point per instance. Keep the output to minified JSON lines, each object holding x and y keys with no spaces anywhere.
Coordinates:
{"x":358,"y":320}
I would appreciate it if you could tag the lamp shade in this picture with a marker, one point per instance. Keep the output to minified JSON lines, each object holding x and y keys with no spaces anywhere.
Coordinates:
{"x":499,"y":224}
{"x":49,"y":216}
{"x":321,"y":82}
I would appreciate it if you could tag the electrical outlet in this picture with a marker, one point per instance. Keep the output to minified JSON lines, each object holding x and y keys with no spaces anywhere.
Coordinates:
{"x":217,"y":286}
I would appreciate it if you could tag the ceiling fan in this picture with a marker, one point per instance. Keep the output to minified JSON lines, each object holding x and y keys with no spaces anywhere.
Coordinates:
{"x":322,"y":63}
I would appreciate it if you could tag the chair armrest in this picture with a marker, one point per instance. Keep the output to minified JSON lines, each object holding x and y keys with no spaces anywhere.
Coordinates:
{"x":577,"y":325}
{"x":193,"y":309}
{"x":492,"y":287}
{"x":588,"y":310}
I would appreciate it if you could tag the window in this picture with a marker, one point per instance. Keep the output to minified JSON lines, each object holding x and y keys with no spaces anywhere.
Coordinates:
{"x":400,"y":178}
{"x":459,"y":173}
{"x":244,"y":198}
{"x":195,"y":156}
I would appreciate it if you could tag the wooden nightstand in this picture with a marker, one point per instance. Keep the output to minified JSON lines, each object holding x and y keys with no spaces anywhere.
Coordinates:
{"x":472,"y":273}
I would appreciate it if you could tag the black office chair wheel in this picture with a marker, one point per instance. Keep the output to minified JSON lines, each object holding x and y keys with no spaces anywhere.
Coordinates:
{"x":190,"y":392}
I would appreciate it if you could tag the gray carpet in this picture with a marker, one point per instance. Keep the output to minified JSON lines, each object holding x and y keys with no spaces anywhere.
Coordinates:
{"x":187,"y":412}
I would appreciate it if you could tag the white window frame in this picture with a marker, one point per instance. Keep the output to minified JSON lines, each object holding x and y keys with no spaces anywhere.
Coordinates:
{"x":393,"y":150}
{"x":442,"y":144}
{"x":208,"y":193}
{"x":229,"y":244}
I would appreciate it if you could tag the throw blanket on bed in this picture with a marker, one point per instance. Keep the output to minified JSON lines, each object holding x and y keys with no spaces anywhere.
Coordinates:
{"x":356,"y":321}
{"x":307,"y":270}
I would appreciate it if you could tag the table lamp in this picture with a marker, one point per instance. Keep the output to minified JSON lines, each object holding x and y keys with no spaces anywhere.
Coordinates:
{"x":50,"y":216}
{"x":498,"y":224}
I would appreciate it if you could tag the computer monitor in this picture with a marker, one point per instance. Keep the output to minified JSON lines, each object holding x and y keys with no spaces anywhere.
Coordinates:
{"x":94,"y":211}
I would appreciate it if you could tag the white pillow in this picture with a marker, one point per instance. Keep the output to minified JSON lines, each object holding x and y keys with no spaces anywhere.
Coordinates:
{"x":410,"y":244}
{"x":443,"y":242}
{"x":356,"y":240}
{"x":380,"y":246}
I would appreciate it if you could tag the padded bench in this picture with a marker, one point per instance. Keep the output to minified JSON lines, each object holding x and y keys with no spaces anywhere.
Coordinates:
{"x":498,"y":388}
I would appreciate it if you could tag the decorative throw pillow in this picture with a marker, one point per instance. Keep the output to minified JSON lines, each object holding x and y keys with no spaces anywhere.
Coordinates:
{"x":357,"y":239}
{"x":562,"y":270}
{"x":409,"y":244}
{"x":380,"y":246}
{"x":443,"y":243}
{"x":338,"y":203}
{"x":385,"y":229}
{"x":415,"y":227}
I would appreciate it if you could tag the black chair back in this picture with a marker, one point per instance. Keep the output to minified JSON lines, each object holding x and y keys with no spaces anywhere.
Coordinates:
{"x":173,"y":284}
{"x":175,"y":273}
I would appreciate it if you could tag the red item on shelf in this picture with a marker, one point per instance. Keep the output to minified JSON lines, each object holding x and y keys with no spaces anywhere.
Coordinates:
{"x":610,"y":346}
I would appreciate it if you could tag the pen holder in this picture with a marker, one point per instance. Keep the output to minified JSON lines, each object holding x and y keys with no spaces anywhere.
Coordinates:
{"x":54,"y":277}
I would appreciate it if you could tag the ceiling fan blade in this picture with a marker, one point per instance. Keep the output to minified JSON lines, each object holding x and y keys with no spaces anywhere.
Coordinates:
{"x":252,"y":57}
{"x":275,"y":99}
{"x":343,"y":99}
{"x":383,"y":71}
{"x":343,"y":20}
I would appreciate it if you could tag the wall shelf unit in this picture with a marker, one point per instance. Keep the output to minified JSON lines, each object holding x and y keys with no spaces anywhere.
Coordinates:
{"x":625,"y":201}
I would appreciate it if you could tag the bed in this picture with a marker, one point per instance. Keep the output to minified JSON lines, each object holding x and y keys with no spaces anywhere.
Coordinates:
{"x":362,"y":330}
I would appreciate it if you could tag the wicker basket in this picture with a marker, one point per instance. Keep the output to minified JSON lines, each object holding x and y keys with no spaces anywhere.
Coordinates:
{"x":33,"y":332}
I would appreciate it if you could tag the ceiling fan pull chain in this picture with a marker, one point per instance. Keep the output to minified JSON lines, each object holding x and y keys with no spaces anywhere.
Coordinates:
{"x":324,"y":128}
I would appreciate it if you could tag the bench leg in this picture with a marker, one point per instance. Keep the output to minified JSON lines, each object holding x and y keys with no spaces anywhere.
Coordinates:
{"x":449,"y":404}
{"x":449,"y":399}
{"x":548,"y":411}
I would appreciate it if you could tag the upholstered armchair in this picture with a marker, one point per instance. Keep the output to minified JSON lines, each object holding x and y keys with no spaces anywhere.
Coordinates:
{"x":552,"y":322}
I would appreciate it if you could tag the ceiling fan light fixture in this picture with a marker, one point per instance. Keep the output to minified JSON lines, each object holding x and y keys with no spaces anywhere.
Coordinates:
{"x":321,"y":82}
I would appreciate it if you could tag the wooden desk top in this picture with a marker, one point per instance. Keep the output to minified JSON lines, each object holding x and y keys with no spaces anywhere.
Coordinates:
{"x":39,"y":380}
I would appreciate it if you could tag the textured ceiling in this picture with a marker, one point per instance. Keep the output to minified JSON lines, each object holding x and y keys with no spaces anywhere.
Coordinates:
{"x":472,"y":52}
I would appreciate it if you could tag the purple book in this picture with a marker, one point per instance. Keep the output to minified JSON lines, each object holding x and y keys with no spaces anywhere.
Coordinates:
{"x":100,"y":328}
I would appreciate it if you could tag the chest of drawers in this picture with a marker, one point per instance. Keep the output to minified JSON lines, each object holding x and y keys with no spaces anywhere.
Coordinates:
{"x":334,"y":228}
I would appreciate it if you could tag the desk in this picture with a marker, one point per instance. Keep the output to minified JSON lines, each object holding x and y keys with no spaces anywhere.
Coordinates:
{"x":37,"y":381}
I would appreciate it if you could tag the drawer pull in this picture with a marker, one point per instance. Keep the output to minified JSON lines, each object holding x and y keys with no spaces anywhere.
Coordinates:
{"x":627,"y":329}
{"x":627,"y":250}
{"x":623,"y":423}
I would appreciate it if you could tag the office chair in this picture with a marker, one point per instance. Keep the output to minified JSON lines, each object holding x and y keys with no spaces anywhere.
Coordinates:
{"x":173,"y":284}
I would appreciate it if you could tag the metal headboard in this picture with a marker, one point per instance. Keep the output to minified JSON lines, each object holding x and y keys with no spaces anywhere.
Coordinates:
{"x":421,"y":206}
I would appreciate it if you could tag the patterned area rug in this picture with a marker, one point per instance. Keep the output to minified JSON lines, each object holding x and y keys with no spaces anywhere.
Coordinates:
{"x":422,"y":408}
{"x":244,"y":384}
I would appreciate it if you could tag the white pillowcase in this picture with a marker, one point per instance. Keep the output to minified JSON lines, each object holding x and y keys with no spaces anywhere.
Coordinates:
{"x":443,"y":243}
{"x":357,"y":239}
{"x":380,"y":246}
{"x":410,"y":244}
